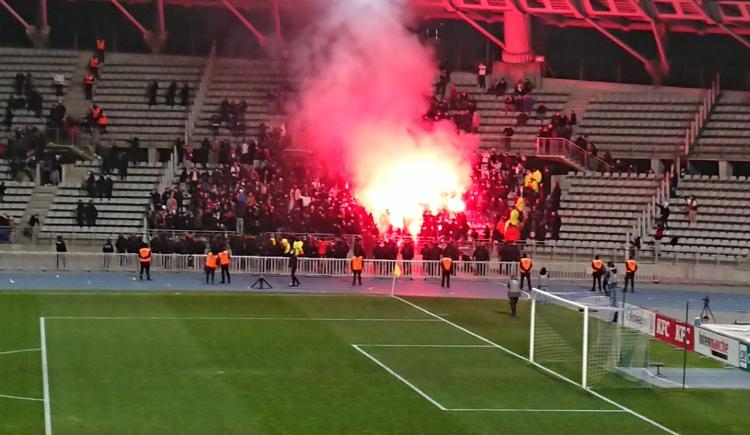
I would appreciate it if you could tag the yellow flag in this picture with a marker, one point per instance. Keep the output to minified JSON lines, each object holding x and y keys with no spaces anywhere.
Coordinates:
{"x":396,"y":271}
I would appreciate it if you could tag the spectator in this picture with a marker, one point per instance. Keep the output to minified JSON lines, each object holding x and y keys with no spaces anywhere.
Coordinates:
{"x":500,"y":87}
{"x":2,"y":190}
{"x":691,"y":210}
{"x":100,"y":188}
{"x":171,"y":93}
{"x":664,"y":216}
{"x":153,"y":90}
{"x":20,"y":82}
{"x":108,"y":186}
{"x":80,"y":213}
{"x":185,"y":95}
{"x":91,"y":213}
{"x":58,"y":81}
{"x":482,"y":75}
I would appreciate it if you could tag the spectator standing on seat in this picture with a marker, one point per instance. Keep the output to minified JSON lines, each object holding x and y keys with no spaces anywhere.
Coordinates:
{"x":664,"y":215}
{"x":525,"y":264}
{"x":691,"y":210}
{"x":91,"y":214}
{"x":101,"y":47}
{"x":152,"y":92}
{"x":144,"y":257}
{"x":80,"y":213}
{"x":20,"y":82}
{"x":88,"y":85}
{"x":224,"y":261}
{"x":631,"y":267}
{"x":185,"y":95}
{"x":482,"y":75}
{"x":58,"y":80}
{"x":597,"y":270}
{"x":171,"y":94}
{"x":108,"y":187}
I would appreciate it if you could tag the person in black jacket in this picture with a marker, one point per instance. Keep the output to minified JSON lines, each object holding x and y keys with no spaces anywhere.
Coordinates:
{"x":293,"y":268}
{"x":80,"y":213}
{"x":61,"y":249}
{"x":407,"y":254}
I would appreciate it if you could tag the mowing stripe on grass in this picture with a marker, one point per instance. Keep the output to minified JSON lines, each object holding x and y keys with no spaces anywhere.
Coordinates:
{"x":8,"y":396}
{"x":45,"y":378}
{"x":400,"y":378}
{"x":539,"y":366}
{"x":8,"y":352}
{"x":300,"y":319}
{"x":531,"y":410}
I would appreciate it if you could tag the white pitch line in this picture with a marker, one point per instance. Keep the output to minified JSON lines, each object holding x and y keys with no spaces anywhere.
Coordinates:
{"x":532,"y":410}
{"x":301,"y":319}
{"x":400,"y":378}
{"x":426,"y":345}
{"x":8,"y":352}
{"x":541,"y":367}
{"x":8,"y":396}
{"x":45,"y":378}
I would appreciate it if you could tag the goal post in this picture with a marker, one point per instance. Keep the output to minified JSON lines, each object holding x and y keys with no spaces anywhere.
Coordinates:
{"x":585,"y":340}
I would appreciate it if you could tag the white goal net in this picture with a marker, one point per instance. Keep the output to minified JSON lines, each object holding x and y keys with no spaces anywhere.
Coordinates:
{"x":585,"y":340}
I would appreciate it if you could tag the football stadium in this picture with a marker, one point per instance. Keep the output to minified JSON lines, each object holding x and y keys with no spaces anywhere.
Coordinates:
{"x":374,"y":217}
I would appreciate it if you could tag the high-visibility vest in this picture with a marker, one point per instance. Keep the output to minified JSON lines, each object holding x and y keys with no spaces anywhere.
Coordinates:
{"x":94,"y":62}
{"x":446,"y":263}
{"x":145,"y":255}
{"x":100,"y":44}
{"x":89,"y":79}
{"x":597,"y":265}
{"x":631,"y":266}
{"x":357,"y":263}
{"x":103,"y":121}
{"x":224,"y":258}
{"x":526,"y":264}
{"x":211,"y":260}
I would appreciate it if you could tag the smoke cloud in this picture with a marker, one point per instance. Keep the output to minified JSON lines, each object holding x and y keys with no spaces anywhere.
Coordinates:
{"x":365,"y":80}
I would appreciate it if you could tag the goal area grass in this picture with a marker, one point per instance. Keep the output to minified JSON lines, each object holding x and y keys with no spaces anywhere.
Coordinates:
{"x":200,"y":363}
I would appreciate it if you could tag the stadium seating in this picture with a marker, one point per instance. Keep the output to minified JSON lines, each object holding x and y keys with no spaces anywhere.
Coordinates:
{"x":17,"y":194}
{"x":41,"y":64}
{"x":494,"y":118}
{"x":254,"y":81}
{"x":122,"y":93}
{"x":122,"y":214}
{"x":598,"y":210}
{"x":726,"y":133}
{"x":639,"y":124}
{"x":722,"y":227}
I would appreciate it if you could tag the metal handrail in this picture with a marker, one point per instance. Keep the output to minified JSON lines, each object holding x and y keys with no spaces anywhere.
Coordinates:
{"x":568,"y":149}
{"x":200,"y":95}
{"x":701,"y":116}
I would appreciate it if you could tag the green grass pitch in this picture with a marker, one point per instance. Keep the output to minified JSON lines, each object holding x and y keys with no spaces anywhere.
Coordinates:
{"x":270,"y":364}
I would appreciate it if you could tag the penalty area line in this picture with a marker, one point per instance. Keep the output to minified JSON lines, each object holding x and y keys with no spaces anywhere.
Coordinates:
{"x":534,"y":410}
{"x":541,"y":367}
{"x":399,"y":377}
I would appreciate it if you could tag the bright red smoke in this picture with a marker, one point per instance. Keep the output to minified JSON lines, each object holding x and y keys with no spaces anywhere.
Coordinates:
{"x":365,"y":83}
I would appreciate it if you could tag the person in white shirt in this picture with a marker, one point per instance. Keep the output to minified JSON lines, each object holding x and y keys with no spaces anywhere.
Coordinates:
{"x":58,"y":79}
{"x":482,"y":75}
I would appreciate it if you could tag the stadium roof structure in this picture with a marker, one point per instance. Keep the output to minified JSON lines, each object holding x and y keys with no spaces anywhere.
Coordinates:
{"x":659,"y":17}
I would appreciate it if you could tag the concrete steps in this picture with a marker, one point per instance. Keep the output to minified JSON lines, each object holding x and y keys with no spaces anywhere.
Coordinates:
{"x":39,"y":204}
